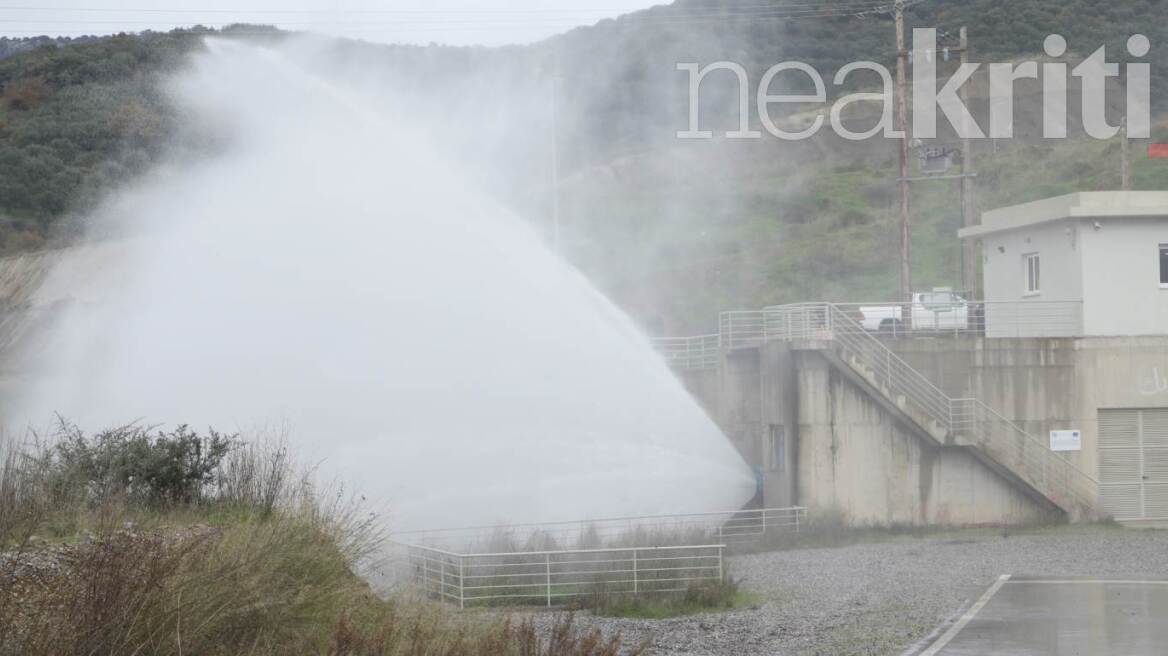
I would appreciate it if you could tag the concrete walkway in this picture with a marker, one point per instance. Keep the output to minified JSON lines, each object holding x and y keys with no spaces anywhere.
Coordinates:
{"x":1068,"y":617}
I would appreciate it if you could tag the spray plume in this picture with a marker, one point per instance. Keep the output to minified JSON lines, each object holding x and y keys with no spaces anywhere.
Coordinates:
{"x":327,"y":269}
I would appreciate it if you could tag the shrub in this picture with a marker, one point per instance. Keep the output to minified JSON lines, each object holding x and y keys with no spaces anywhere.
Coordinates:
{"x":281,"y":583}
{"x":158,"y":469}
{"x":67,"y":482}
{"x":227,"y":550}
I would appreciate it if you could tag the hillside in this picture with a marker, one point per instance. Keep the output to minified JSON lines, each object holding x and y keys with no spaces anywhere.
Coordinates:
{"x":675,"y":231}
{"x":676,"y":254}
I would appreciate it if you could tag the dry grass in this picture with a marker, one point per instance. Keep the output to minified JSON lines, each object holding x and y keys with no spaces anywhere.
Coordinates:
{"x":263,"y":565}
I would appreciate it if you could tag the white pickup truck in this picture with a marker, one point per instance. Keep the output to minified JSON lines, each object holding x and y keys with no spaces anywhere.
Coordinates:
{"x":940,"y":309}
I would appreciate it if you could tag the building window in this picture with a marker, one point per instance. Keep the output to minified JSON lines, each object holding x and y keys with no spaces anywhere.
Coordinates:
{"x":778,"y":449}
{"x":1033,"y":273}
{"x":1164,"y":266}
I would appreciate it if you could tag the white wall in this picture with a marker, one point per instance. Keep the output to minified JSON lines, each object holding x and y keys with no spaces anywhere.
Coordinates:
{"x":1057,"y":244}
{"x":1055,"y":311}
{"x":1121,"y":281}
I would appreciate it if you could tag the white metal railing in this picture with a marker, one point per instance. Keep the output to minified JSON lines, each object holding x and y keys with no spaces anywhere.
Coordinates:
{"x":888,"y":372}
{"x":690,"y":353}
{"x":550,"y":577}
{"x":854,"y":336}
{"x":965,"y":421}
{"x":993,"y":319}
{"x":742,"y":329}
{"x":976,"y":424}
{"x":648,"y":531}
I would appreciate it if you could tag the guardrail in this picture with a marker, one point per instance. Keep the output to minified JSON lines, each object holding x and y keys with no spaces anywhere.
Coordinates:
{"x":964,"y":421}
{"x":650,"y":530}
{"x":895,"y":378}
{"x":976,"y":424}
{"x":993,"y":319}
{"x":548,"y":577}
{"x":742,"y":329}
{"x":690,"y":353}
{"x":967,"y":421}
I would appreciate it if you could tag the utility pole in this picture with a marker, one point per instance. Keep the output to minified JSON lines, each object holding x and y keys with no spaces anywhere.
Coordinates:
{"x":902,"y":121}
{"x":968,"y":210}
{"x":1125,"y":153}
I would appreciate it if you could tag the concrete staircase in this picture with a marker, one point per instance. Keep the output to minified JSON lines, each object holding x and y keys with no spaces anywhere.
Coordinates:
{"x":879,"y":391}
{"x":966,"y":423}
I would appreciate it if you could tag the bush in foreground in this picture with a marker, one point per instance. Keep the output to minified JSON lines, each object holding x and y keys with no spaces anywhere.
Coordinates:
{"x":272,"y":586}
{"x":242,"y":557}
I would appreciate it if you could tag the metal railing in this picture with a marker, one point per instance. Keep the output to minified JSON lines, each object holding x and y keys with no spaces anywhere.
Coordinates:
{"x":555,"y":576}
{"x":993,"y":319}
{"x":690,"y":353}
{"x":964,"y":421}
{"x":651,"y":530}
{"x":742,"y":329}
{"x":976,"y":424}
{"x":896,"y":379}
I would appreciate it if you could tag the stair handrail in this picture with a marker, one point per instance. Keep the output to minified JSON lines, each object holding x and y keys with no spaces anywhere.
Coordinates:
{"x":828,"y":322}
{"x":1085,"y":492}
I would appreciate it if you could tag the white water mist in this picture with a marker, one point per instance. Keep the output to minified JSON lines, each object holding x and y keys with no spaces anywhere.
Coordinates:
{"x":328,"y":271}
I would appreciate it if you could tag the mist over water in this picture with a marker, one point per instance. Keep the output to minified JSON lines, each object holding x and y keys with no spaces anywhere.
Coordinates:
{"x":328,"y":271}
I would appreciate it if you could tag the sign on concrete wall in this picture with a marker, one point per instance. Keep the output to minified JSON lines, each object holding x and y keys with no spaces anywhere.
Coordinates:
{"x":1066,"y":440}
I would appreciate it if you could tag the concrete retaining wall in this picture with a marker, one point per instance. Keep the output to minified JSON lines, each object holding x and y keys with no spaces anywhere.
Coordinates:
{"x":844,"y":451}
{"x":856,"y":458}
{"x":1049,"y":384}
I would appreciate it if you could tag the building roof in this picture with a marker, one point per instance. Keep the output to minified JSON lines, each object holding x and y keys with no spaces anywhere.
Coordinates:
{"x":1087,"y":205}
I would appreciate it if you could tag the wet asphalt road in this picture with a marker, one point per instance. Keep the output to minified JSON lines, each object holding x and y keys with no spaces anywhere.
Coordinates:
{"x":1066,"y":617}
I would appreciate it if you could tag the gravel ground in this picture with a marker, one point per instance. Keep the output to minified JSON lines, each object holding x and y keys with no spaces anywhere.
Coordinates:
{"x":886,"y":597}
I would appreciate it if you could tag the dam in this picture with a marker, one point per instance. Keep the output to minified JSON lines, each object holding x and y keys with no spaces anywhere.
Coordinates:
{"x":1034,"y":405}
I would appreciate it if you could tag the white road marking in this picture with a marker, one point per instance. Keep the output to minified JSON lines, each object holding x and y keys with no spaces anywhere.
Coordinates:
{"x":936,"y":647}
{"x":1103,"y":581}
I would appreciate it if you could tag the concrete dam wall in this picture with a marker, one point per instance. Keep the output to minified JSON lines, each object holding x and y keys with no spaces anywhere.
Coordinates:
{"x":820,"y":440}
{"x":840,"y":448}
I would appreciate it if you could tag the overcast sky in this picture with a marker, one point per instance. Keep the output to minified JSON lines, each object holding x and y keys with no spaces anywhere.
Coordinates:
{"x":459,"y":22}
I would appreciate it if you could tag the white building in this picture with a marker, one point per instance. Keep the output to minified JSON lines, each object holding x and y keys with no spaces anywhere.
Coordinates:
{"x":1082,"y":264}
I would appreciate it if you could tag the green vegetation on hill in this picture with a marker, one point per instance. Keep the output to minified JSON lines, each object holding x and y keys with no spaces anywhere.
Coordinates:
{"x":75,"y":121}
{"x":674,"y":231}
{"x":78,"y":119}
{"x":621,"y":73}
{"x":761,"y":231}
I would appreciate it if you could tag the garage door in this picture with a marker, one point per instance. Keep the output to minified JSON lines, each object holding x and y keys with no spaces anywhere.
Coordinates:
{"x":1133,"y":463}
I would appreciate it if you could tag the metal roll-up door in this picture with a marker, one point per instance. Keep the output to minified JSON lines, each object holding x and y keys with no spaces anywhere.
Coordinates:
{"x":1154,"y":432}
{"x":1133,"y":463}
